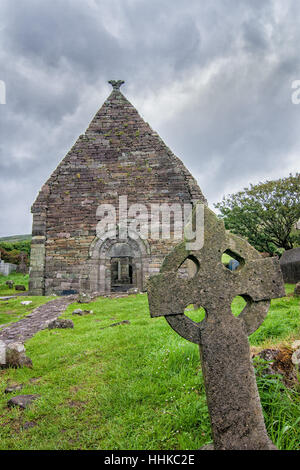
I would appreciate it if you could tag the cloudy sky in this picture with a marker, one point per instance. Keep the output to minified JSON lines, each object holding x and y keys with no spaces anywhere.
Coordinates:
{"x":212,"y":77}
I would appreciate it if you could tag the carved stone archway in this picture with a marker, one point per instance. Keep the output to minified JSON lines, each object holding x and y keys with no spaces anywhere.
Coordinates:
{"x":97,"y":275}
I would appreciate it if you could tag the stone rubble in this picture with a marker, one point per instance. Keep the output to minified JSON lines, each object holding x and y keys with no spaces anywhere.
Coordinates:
{"x":60,"y":323}
{"x":22,"y":401}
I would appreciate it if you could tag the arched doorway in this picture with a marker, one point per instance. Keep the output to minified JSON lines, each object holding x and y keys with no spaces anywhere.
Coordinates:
{"x":117,"y":265}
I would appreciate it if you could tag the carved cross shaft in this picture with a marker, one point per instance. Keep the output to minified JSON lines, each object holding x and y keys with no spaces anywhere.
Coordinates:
{"x":232,"y":396}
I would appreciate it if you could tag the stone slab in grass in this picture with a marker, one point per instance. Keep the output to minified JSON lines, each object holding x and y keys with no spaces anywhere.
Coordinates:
{"x":20,"y":287}
{"x":60,"y":323}
{"x":22,"y":401}
{"x":13,"y":388}
{"x":13,"y":355}
{"x":297,"y":290}
{"x":80,"y":312}
{"x":124,"y":322}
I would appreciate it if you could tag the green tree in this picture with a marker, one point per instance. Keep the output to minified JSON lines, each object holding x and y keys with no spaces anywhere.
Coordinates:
{"x":265,"y":214}
{"x":10,"y":251}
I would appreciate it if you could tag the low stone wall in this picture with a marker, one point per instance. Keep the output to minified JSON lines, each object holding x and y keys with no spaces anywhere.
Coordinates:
{"x":7,"y":268}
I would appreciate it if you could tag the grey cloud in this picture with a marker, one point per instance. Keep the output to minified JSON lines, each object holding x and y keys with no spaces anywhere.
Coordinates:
{"x":56,"y":56}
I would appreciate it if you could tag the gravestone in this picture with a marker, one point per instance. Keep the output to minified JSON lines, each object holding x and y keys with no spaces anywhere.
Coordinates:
{"x":22,"y":267}
{"x":20,"y":287}
{"x":290,"y":265}
{"x":297,"y":290}
{"x":231,"y":391}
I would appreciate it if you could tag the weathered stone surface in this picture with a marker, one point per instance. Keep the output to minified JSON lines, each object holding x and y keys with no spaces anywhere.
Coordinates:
{"x":60,"y":323}
{"x":118,"y":155}
{"x":207,"y":447}
{"x":20,"y":287}
{"x":116,"y":84}
{"x":22,"y":401}
{"x":30,"y":424}
{"x":84,"y":298}
{"x":290,"y":265}
{"x":16,"y":356}
{"x":124,"y":322}
{"x":297,"y":290}
{"x":13,"y":388}
{"x":13,"y":355}
{"x":233,"y":401}
{"x":296,"y":357}
{"x":133,"y":290}
{"x":2,"y":353}
{"x":80,"y":312}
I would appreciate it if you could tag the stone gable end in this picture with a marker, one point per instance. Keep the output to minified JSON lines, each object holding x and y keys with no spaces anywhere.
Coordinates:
{"x":118,"y":155}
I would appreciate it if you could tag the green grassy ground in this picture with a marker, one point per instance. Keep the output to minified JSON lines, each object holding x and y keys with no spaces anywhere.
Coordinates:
{"x":11,"y":310}
{"x":133,"y":386}
{"x":17,"y":278}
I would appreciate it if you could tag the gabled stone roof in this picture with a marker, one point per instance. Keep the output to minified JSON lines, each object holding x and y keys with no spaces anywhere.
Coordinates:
{"x":119,"y":152}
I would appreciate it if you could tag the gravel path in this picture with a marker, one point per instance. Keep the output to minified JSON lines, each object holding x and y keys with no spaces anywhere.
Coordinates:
{"x":37,"y":320}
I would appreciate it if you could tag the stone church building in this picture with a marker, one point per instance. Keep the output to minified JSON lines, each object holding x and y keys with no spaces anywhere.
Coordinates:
{"x":118,"y":155}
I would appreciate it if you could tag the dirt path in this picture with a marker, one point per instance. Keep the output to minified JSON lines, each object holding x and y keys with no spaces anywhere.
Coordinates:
{"x":37,"y":320}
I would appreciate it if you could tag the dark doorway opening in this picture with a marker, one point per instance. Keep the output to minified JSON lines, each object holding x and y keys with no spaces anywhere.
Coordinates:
{"x":121,"y":274}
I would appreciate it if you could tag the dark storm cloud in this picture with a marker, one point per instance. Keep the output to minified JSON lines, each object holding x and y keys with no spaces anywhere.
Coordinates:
{"x":212,"y":77}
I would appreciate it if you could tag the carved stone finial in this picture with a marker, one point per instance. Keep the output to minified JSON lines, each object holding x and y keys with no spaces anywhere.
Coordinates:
{"x":116,"y":84}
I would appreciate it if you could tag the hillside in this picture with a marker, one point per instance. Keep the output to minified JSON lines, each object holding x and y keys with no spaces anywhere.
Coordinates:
{"x":15,"y":238}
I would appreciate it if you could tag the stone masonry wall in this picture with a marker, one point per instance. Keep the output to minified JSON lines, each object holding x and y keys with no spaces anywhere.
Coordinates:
{"x":119,"y":155}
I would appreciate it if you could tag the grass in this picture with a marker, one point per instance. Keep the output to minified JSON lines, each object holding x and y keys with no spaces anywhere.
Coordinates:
{"x":282,"y":322}
{"x":11,"y":310}
{"x":280,"y":408}
{"x":17,"y":278}
{"x":106,"y":388}
{"x":132,"y":386}
{"x":226,"y":258}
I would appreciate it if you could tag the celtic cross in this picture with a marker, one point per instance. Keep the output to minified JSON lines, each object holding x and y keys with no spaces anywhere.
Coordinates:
{"x":231,"y":391}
